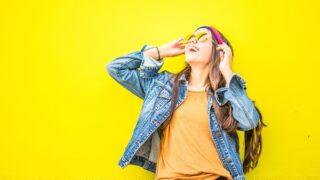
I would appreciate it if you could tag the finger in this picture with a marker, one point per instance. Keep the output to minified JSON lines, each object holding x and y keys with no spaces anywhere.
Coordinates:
{"x":221,"y":54}
{"x":180,"y":40}
{"x":222,"y":47}
{"x":219,"y":48}
{"x":177,"y":40}
{"x":226,"y":46}
{"x":223,"y":44}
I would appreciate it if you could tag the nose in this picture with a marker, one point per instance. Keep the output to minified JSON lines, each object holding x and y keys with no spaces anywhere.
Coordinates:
{"x":192,"y":40}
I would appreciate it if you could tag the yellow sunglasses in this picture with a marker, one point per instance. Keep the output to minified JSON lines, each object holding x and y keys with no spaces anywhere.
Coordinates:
{"x":200,"y":37}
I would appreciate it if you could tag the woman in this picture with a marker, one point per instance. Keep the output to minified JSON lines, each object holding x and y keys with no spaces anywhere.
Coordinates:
{"x":188,"y":121}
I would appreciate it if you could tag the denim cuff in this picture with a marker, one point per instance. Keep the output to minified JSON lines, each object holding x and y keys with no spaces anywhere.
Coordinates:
{"x":149,"y":66}
{"x":235,"y":87}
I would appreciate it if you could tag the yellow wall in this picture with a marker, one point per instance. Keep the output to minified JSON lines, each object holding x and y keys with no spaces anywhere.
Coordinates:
{"x":63,"y":117}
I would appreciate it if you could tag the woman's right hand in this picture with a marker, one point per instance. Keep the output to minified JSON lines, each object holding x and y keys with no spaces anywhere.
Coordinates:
{"x":173,"y":48}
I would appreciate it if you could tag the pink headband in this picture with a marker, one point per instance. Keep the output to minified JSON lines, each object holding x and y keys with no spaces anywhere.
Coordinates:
{"x":215,"y":33}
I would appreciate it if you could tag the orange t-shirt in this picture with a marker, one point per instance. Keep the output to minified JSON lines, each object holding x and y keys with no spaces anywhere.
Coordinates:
{"x":187,"y":150}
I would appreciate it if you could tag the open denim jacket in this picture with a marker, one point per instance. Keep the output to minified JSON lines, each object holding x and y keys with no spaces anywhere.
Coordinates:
{"x":139,"y":74}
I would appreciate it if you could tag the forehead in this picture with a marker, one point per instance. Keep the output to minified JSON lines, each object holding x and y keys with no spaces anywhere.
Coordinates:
{"x":203,"y":30}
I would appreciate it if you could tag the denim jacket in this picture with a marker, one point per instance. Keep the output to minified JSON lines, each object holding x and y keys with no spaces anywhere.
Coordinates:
{"x":139,"y":74}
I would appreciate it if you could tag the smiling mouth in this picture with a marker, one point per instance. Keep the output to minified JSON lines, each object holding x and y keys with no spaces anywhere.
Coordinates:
{"x":192,"y":49}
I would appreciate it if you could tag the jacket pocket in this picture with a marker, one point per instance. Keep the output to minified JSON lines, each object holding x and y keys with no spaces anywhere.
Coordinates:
{"x":164,"y":96}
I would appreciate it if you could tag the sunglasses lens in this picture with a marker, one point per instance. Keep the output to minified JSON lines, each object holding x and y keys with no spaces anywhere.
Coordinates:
{"x":187,"y":38}
{"x":202,"y":37}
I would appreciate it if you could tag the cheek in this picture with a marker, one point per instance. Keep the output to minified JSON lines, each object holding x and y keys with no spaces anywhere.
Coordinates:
{"x":206,"y":52}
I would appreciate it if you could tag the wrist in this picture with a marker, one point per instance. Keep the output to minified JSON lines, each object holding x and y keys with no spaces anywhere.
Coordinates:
{"x":227,"y":73}
{"x":163,"y":52}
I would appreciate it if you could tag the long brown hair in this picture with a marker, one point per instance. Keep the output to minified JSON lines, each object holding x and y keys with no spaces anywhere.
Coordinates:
{"x":253,"y":138}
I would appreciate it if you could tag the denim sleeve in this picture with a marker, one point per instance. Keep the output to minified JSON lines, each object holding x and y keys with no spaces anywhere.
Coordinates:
{"x":243,"y":108}
{"x":135,"y":71}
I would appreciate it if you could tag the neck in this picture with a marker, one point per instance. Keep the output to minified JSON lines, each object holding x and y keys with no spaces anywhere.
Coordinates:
{"x":199,"y":76}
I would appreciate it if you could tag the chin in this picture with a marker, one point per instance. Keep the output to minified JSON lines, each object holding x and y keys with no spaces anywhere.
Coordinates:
{"x":191,"y":59}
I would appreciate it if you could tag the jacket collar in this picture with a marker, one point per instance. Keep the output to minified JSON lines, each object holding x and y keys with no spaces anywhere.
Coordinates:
{"x":183,"y":79}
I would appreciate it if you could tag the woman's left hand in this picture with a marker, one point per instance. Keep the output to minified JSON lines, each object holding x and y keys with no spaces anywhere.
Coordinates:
{"x":225,"y":57}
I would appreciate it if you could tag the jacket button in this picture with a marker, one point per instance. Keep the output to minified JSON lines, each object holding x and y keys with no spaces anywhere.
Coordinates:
{"x":228,"y":159}
{"x":218,"y":133}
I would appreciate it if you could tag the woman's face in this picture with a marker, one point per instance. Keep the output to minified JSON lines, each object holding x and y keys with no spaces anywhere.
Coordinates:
{"x":199,"y":52}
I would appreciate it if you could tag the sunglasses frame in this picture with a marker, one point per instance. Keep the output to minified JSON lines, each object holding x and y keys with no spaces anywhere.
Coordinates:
{"x":197,"y":36}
